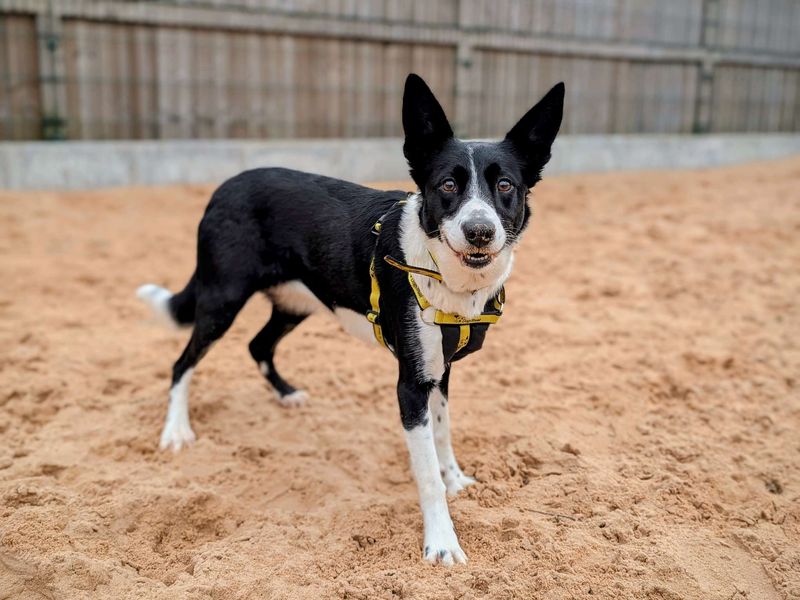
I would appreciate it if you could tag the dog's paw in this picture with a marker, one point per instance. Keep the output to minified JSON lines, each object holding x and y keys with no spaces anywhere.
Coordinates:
{"x":177,"y":433}
{"x":455,"y":481}
{"x":296,"y":398}
{"x":443,"y":548}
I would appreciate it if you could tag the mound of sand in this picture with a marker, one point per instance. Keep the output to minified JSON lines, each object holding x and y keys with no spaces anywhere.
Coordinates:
{"x":632,"y":421}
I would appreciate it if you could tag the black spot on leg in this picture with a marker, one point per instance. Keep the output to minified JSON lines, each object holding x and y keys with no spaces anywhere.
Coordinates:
{"x":452,"y":467}
{"x":442,"y":403}
{"x":427,"y":550}
{"x":439,"y":418}
{"x":442,"y":553}
{"x":441,"y":472}
{"x":413,"y":397}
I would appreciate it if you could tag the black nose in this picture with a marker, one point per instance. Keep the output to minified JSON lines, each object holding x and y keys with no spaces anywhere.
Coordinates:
{"x":478,"y":233}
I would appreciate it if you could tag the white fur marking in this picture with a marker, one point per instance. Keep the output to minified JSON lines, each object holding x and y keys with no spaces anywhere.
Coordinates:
{"x":296,"y":398}
{"x":157,"y":298}
{"x":177,"y":430}
{"x":476,"y":207}
{"x":454,"y":478}
{"x":295,"y":298}
{"x":429,"y":349}
{"x":264,"y":368}
{"x":355,"y":324}
{"x":441,"y":543}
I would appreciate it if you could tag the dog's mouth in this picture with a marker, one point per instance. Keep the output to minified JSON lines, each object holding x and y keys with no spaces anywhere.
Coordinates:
{"x":476,"y":260}
{"x":473,"y":260}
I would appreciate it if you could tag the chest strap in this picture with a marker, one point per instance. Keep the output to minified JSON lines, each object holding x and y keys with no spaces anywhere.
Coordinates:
{"x":374,"y":314}
{"x":488,"y":316}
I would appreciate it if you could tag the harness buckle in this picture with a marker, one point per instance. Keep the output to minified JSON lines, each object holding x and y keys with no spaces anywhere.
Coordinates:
{"x":374,"y":317}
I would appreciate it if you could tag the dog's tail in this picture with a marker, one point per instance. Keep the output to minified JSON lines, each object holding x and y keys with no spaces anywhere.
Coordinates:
{"x":174,"y":310}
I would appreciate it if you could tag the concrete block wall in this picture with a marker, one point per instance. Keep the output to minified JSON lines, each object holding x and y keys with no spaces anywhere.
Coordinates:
{"x":84,"y":165}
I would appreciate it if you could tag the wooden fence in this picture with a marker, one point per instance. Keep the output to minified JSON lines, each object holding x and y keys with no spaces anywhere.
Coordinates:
{"x":103,"y":69}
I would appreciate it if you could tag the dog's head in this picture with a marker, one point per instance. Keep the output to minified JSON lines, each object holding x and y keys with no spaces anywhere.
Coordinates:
{"x":474,"y":194}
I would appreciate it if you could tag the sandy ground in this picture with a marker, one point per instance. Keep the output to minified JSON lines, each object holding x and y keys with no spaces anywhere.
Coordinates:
{"x":633,"y":421}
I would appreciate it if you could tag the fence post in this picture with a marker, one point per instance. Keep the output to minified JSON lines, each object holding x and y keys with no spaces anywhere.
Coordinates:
{"x":463,"y":66}
{"x":463,"y":86}
{"x":50,"y":48}
{"x":709,"y":38}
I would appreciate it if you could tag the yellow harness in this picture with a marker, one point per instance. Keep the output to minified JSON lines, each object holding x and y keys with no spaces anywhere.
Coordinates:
{"x":440,"y":318}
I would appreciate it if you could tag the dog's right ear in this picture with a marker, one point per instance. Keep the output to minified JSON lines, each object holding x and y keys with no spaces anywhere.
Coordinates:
{"x":425,"y":125}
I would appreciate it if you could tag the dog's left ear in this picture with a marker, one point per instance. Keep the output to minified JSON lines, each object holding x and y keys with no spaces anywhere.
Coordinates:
{"x":533,"y":136}
{"x":425,"y":125}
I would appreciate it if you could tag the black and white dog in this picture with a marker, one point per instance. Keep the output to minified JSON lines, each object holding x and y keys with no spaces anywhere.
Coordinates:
{"x":309,"y":242}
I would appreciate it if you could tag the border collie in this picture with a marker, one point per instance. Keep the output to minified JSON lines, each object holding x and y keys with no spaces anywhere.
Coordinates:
{"x":420,"y":273}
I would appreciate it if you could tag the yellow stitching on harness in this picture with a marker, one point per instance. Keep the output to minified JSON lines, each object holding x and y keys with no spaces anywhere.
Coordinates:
{"x":463,"y":337}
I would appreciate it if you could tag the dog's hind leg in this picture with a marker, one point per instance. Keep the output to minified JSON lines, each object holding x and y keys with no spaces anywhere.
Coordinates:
{"x":215,"y":311}
{"x":262,"y":349}
{"x":454,"y":478}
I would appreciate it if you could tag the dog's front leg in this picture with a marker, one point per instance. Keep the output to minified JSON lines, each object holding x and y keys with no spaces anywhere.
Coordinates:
{"x":441,"y":544}
{"x":454,"y":478}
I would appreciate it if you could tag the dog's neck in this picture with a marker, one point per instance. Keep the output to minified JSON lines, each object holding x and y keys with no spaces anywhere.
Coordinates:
{"x":463,"y":290}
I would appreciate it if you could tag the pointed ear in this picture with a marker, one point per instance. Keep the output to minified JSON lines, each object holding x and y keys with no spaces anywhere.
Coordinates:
{"x":533,"y":136}
{"x":425,"y":125}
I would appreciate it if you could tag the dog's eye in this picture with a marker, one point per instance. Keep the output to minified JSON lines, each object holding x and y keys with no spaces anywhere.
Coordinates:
{"x":449,"y":186}
{"x":504,"y":185}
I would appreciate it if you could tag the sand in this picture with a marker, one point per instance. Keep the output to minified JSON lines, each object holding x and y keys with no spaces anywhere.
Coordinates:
{"x":633,"y":421}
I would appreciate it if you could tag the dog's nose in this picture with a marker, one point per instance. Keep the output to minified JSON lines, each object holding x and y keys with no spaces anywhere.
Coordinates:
{"x":478,"y":233}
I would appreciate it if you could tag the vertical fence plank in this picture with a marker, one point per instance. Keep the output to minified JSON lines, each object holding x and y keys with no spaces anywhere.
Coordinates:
{"x":86,"y":92}
{"x":21,"y":107}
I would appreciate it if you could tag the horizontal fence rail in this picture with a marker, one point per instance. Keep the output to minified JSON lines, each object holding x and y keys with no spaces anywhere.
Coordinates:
{"x":182,"y":69}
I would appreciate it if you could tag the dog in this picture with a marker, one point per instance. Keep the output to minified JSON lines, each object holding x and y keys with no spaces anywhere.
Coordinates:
{"x":421,"y":274}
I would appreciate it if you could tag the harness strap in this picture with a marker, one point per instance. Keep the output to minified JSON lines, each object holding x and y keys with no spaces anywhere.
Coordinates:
{"x":374,"y":315}
{"x":463,"y":336}
{"x":445,"y":318}
{"x":409,"y":269}
{"x":440,"y":318}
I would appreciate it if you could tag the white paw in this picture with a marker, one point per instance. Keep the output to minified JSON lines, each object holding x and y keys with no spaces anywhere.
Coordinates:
{"x":296,"y":398}
{"x":455,"y":481}
{"x":176,"y":434}
{"x":442,"y":547}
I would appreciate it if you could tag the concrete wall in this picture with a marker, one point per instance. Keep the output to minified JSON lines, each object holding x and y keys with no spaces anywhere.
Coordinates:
{"x":80,"y":165}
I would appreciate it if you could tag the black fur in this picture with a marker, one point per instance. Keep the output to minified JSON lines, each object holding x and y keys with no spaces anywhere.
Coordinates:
{"x":270,"y":226}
